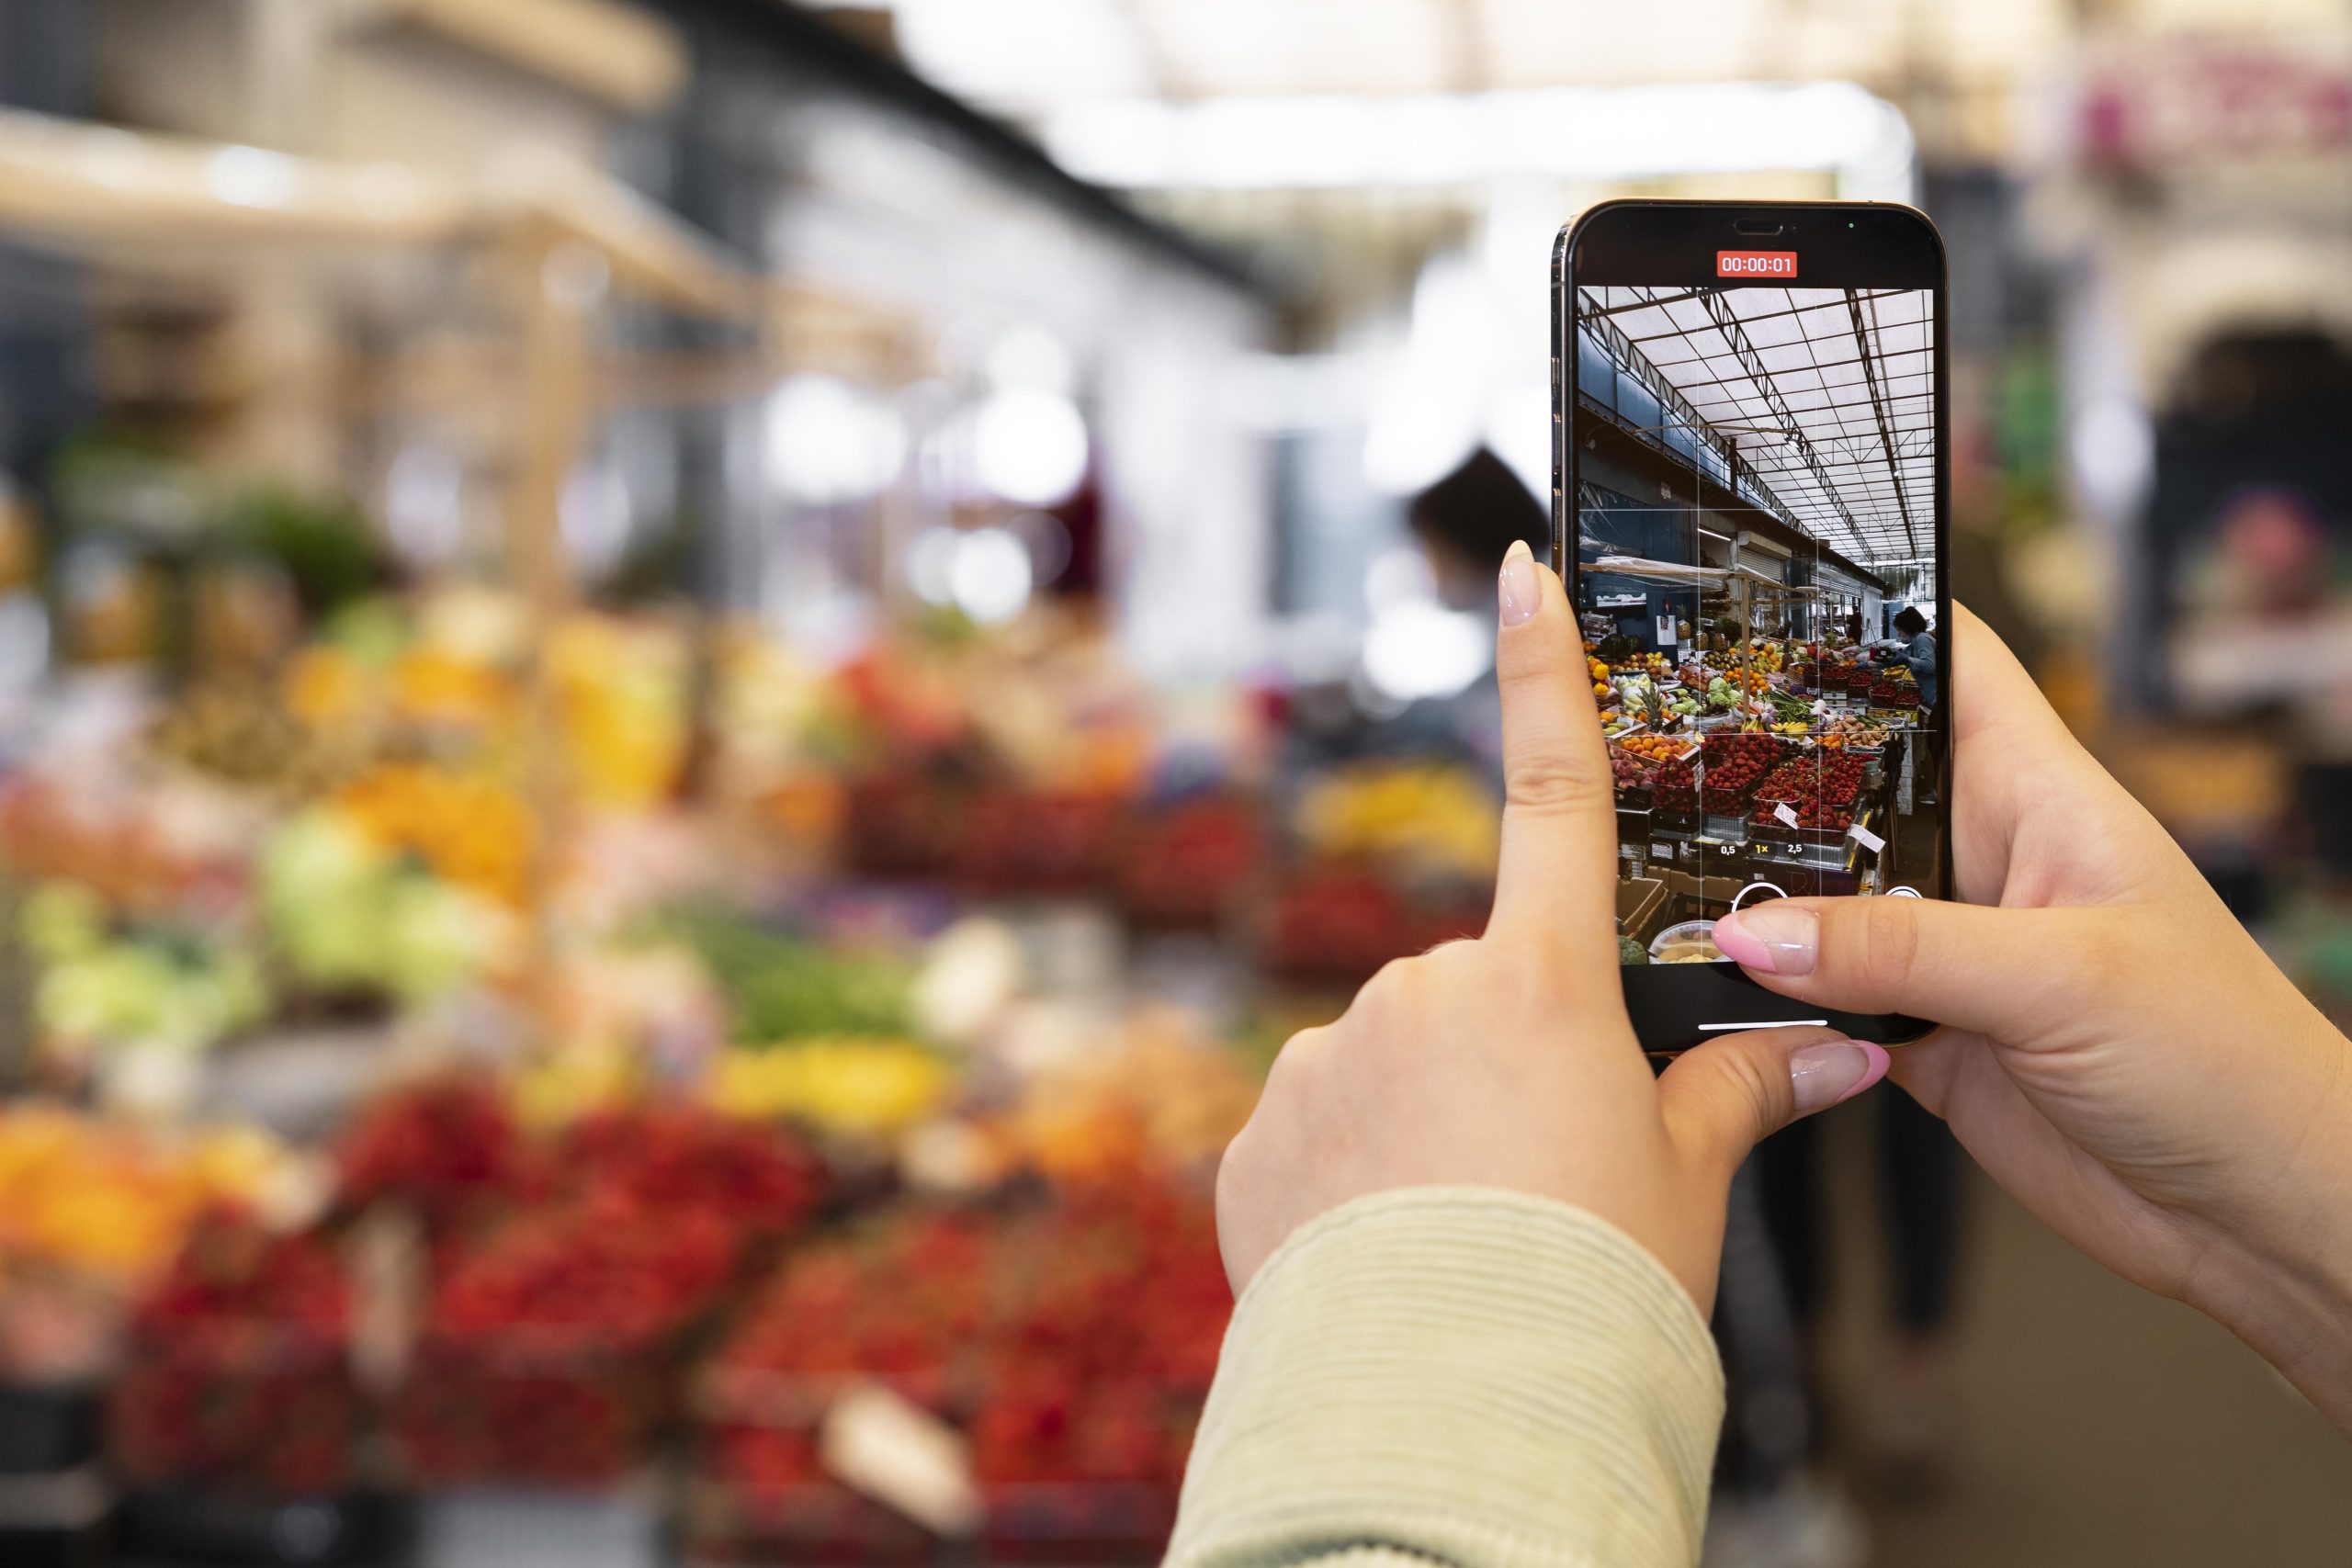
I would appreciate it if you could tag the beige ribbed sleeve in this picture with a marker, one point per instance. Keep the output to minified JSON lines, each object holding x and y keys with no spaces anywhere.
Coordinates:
{"x":1458,"y":1375}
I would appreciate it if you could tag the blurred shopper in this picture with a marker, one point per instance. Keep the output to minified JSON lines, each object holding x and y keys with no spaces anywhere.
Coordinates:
{"x":1467,"y":521}
{"x":1463,"y":524}
{"x":1474,"y":1238}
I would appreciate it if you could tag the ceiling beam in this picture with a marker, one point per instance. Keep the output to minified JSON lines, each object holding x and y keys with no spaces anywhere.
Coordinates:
{"x":1793,"y":433}
{"x":1863,"y":341}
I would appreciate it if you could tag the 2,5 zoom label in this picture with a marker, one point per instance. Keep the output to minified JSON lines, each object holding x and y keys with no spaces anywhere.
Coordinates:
{"x":1756,"y":263}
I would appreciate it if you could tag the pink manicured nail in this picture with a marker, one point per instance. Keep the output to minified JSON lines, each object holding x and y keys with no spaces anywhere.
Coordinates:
{"x":1833,"y":1071}
{"x":1777,"y":938}
{"x":1519,"y":589}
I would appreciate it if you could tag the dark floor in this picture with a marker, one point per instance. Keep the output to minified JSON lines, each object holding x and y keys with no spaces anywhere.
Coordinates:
{"x":2091,"y":1424}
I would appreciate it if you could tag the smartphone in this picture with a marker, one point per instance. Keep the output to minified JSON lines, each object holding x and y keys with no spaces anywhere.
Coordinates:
{"x":1750,"y":486}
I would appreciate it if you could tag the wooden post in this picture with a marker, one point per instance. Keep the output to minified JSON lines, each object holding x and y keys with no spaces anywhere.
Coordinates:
{"x":559,"y":283}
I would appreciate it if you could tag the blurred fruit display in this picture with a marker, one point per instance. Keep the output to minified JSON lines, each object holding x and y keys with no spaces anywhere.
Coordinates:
{"x":544,"y":1356}
{"x":547,"y":1351}
{"x":1069,"y":1335}
{"x":1018,"y":840}
{"x":469,"y":829}
{"x":238,"y":1372}
{"x":90,"y":1213}
{"x":1187,"y":863}
{"x":348,"y":914}
{"x":1421,"y":817}
{"x":848,"y":1084}
{"x":527,"y":1265}
{"x":1162,"y":1098}
{"x":1341,"y":922}
{"x":151,"y":984}
{"x":448,"y":1149}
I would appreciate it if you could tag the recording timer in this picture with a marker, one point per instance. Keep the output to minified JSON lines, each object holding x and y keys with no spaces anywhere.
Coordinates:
{"x":1756,"y":263}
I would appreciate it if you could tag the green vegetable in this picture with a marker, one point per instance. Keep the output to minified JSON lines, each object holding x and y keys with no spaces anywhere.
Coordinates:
{"x":1631,"y":952}
{"x":781,"y":987}
{"x":344,"y":915}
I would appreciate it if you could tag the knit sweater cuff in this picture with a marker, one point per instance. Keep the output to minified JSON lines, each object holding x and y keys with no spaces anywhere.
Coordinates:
{"x":1463,"y":1374}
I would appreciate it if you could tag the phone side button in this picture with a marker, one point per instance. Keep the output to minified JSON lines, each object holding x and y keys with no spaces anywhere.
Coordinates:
{"x":1764,"y":1023}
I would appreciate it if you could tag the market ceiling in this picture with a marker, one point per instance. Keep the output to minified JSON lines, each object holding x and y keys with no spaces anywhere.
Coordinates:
{"x":1027,"y":56}
{"x":1828,"y":393}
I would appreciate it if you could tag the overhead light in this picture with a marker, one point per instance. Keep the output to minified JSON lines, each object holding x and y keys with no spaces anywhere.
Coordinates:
{"x":1029,"y":445}
{"x":829,"y":441}
{"x":991,"y":576}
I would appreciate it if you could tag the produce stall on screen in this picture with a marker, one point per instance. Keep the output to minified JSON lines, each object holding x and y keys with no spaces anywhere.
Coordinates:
{"x":1755,"y":569}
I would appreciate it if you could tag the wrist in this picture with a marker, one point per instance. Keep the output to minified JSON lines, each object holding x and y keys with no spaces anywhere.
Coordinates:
{"x":2282,"y":1282}
{"x":2297,"y":1318}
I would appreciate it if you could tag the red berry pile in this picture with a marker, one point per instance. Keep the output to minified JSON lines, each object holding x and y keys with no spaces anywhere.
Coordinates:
{"x":450,"y":1147}
{"x":1676,"y":788}
{"x":1820,"y":789}
{"x":679,"y":1158}
{"x":547,"y":1352}
{"x":237,"y":1372}
{"x":1734,"y":764}
{"x":1342,"y":922}
{"x":1183,"y":865}
{"x":1072,"y":1340}
{"x":543,"y":1358}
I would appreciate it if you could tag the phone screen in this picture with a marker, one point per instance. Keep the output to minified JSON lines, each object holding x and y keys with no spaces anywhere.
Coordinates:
{"x":1751,"y":474}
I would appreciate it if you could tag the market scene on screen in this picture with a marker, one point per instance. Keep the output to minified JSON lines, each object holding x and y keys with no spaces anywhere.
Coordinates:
{"x":1756,"y":578}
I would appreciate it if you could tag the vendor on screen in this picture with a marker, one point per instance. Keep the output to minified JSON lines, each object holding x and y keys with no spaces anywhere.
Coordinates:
{"x":1913,"y":648}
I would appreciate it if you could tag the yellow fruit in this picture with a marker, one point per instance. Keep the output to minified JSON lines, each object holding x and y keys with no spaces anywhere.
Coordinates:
{"x":849,"y":1085}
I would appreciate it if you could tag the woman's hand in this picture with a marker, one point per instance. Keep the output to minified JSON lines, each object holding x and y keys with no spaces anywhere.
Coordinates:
{"x":1509,"y":1061}
{"x":2117,"y":1053}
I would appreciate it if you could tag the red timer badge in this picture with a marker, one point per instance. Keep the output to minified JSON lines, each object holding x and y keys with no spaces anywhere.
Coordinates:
{"x":1756,"y":263}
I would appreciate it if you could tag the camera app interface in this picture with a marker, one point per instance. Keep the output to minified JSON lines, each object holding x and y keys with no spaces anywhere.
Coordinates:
{"x":1756,"y":546}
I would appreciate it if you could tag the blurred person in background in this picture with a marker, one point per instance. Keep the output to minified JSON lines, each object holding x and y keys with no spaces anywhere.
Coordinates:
{"x":1467,"y":522}
{"x":1464,"y":523}
{"x":1473,"y":1238}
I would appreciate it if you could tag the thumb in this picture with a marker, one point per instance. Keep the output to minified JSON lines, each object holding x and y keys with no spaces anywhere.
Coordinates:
{"x":1995,"y":971}
{"x":1722,"y":1099}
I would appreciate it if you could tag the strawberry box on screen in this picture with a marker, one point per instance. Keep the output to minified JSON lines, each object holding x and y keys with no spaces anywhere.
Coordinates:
{"x":1756,"y":263}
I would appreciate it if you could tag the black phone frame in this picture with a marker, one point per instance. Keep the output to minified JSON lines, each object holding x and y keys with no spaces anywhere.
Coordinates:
{"x":1841,"y":244}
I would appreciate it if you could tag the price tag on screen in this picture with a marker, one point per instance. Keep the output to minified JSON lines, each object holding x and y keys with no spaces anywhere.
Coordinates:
{"x":1865,"y":838}
{"x":1783,"y":812}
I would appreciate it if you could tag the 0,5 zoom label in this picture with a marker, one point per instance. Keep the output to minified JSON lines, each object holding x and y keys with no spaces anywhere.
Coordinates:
{"x":1756,"y":263}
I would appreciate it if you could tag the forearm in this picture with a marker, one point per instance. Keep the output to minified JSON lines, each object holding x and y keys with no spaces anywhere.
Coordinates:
{"x":1461,"y":1375}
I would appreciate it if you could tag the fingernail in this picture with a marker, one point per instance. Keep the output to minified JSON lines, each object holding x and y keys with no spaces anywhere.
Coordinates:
{"x":1834,"y":1070}
{"x":1777,"y":938}
{"x":1519,"y":588}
